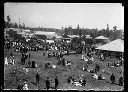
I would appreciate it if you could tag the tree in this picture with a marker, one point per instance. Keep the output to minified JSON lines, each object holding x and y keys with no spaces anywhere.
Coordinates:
{"x":8,"y":20}
{"x":66,"y":31}
{"x":79,"y":31}
{"x":16,"y":25}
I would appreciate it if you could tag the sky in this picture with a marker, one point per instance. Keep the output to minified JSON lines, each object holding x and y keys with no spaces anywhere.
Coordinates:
{"x":56,"y":15}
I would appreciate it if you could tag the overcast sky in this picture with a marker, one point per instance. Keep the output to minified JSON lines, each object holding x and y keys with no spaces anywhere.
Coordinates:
{"x":56,"y":15}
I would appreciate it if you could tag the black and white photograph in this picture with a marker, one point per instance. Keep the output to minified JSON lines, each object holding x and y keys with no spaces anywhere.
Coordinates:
{"x":64,"y":46}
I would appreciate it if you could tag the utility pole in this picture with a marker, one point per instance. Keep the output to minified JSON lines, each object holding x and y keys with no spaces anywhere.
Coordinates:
{"x":19,"y":22}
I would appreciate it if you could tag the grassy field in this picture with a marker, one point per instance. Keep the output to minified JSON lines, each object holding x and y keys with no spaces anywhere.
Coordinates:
{"x":64,"y":71}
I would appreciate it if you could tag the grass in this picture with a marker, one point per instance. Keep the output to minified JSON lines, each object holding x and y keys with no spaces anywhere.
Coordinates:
{"x":63,"y":72}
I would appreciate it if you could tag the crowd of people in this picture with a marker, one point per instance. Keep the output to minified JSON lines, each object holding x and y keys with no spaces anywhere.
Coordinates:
{"x":58,"y":50}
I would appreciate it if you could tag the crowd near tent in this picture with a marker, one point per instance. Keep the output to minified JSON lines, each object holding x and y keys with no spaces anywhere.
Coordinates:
{"x":49,"y":35}
{"x":116,"y":45}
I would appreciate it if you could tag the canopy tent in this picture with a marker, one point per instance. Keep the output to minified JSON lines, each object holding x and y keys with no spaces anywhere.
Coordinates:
{"x":101,"y":37}
{"x":116,"y":45}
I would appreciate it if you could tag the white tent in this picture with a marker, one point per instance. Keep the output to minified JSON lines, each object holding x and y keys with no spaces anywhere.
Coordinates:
{"x":101,"y":37}
{"x":47,"y":34}
{"x":27,"y":31}
{"x":116,"y":45}
{"x":50,"y":41}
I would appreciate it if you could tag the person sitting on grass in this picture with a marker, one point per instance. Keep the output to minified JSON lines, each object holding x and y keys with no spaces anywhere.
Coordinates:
{"x":29,"y":63}
{"x":69,"y":79}
{"x":25,"y":87}
{"x":100,"y":77}
{"x":95,"y":76}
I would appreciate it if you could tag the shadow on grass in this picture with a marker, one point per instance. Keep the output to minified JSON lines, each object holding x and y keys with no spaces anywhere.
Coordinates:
{"x":113,"y":83}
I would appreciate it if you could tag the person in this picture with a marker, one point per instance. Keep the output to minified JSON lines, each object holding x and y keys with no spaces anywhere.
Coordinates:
{"x":20,"y":86}
{"x":6,"y":60}
{"x":25,"y":87}
{"x":84,"y":82}
{"x":47,"y":83}
{"x":29,"y":63}
{"x":37,"y":78}
{"x":56,"y":82}
{"x":69,"y":79}
{"x":43,"y":54}
{"x":11,"y":54}
{"x":112,"y":78}
{"x":121,"y":81}
{"x":97,"y":68}
{"x":95,"y":76}
{"x":29,"y":55}
{"x":99,"y":77}
{"x":33,"y":64}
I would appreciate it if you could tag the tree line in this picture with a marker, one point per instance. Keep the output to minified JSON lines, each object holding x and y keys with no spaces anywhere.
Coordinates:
{"x":111,"y":34}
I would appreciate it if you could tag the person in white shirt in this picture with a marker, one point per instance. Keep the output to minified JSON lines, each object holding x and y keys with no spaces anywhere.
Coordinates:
{"x":25,"y":87}
{"x":6,"y":60}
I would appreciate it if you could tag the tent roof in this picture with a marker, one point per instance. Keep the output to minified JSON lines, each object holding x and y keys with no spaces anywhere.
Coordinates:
{"x":101,"y":37}
{"x":116,"y":45}
{"x":44,"y":33}
{"x":26,"y":30}
{"x":73,"y":36}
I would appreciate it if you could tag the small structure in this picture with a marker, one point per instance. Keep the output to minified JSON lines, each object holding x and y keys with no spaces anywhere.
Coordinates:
{"x":31,"y":35}
{"x":24,"y":34}
{"x":66,"y":38}
{"x":100,"y":40}
{"x":26,"y":31}
{"x":49,"y":35}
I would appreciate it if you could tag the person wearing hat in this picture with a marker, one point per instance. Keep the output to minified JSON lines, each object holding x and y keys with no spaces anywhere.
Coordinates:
{"x":56,"y":82}
{"x":37,"y":78}
{"x":47,"y":83}
{"x":121,"y":81}
{"x":33,"y":63}
{"x":112,"y":78}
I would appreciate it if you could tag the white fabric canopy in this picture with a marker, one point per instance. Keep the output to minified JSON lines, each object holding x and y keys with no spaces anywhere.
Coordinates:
{"x":116,"y":45}
{"x":101,"y":37}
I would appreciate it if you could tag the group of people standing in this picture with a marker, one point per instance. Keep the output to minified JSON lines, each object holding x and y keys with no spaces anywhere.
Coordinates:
{"x":47,"y":81}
